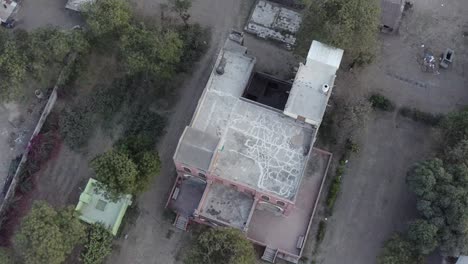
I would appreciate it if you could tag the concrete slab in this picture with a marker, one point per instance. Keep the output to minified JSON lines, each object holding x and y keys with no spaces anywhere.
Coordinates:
{"x":227,"y":204}
{"x":282,"y":232}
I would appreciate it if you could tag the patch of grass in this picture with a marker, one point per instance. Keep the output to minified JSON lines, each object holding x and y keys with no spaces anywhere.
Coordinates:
{"x":420,"y":116}
{"x":381,"y":102}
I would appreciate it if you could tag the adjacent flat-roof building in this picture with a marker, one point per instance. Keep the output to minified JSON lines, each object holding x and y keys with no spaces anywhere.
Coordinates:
{"x":94,"y":207}
{"x":251,"y":166}
{"x":7,"y":7}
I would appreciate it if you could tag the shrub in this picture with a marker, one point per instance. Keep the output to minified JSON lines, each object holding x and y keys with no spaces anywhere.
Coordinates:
{"x":334,"y":189}
{"x":116,"y":173}
{"x":6,"y":256}
{"x":195,"y":43}
{"x":321,"y":231}
{"x":98,"y":245}
{"x":47,"y":235}
{"x":398,"y":250}
{"x":76,"y":126}
{"x":381,"y":102}
{"x":420,"y":116}
{"x":221,"y":245}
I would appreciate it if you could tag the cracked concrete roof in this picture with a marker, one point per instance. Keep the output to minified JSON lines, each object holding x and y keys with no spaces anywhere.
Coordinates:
{"x":259,"y":146}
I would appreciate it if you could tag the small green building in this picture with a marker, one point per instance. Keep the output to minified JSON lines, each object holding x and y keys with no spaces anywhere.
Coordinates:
{"x":95,"y":208}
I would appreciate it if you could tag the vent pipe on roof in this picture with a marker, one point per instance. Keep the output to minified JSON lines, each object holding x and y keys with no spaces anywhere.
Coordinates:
{"x":325,"y":88}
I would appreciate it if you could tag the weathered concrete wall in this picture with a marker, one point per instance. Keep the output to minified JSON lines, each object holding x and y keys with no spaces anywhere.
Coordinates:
{"x":63,"y":77}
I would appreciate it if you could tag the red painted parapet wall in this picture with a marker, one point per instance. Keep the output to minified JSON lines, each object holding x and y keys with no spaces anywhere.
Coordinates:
{"x":285,"y":204}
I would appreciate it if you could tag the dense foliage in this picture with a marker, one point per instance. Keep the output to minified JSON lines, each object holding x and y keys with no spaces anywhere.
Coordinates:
{"x":348,"y":24}
{"x":12,"y":66}
{"x":98,"y":245}
{"x":107,"y":19}
{"x":221,"y":245}
{"x":47,"y":235}
{"x":423,"y":236}
{"x":151,"y":51}
{"x":442,"y":199}
{"x":6,"y":256}
{"x":116,"y":172}
{"x":398,"y":250}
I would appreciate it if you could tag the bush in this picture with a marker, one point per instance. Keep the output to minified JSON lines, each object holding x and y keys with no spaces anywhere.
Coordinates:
{"x":196,"y":41}
{"x":221,"y":245}
{"x":420,"y":116}
{"x":116,"y":173}
{"x":6,"y":256}
{"x":334,"y":188}
{"x":381,"y":102}
{"x":321,"y":231}
{"x":76,"y":126}
{"x":398,"y":250}
{"x":98,"y":245}
{"x":47,"y":235}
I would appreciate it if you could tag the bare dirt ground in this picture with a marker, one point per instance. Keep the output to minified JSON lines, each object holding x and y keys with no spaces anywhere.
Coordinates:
{"x":375,"y":201}
{"x":40,"y":13}
{"x":17,"y":123}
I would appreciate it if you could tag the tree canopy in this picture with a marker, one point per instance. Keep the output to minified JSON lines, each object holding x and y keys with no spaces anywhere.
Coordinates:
{"x":398,"y":250}
{"x":98,"y":245}
{"x":12,"y":66}
{"x":116,"y":172}
{"x":455,"y":127}
{"x":348,"y":24}
{"x":423,"y":235}
{"x":107,"y":18}
{"x":221,"y":245}
{"x":47,"y":235}
{"x":442,"y":199}
{"x":151,"y":51}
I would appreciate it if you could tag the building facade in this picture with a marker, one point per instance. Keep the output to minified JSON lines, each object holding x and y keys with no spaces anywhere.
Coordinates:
{"x":247,"y":158}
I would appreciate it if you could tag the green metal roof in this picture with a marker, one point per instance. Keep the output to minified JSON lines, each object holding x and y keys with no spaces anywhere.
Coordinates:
{"x":95,"y":208}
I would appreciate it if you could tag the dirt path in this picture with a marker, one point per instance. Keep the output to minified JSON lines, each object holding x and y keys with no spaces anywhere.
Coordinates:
{"x":375,"y":201}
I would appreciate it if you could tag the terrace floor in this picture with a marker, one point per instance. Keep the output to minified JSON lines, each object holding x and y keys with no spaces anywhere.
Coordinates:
{"x":282,"y":232}
{"x":226,"y":204}
{"x":190,"y":193}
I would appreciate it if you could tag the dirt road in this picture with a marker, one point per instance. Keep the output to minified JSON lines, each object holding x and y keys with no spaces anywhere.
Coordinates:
{"x":374,"y":201}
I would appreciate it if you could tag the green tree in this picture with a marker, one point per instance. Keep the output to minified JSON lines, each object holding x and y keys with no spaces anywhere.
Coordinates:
{"x":116,"y":173}
{"x":151,"y":52}
{"x":47,"y":235}
{"x":442,"y":199}
{"x":455,"y":127}
{"x":140,"y":150}
{"x":348,"y":24}
{"x":221,"y":245}
{"x":107,"y":18}
{"x":423,"y":235}
{"x":398,"y":250}
{"x":181,"y":7}
{"x":98,"y":245}
{"x":12,"y":67}
{"x":6,"y":256}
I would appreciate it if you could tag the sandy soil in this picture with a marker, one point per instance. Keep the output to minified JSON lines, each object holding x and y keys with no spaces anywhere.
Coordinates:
{"x":375,"y":201}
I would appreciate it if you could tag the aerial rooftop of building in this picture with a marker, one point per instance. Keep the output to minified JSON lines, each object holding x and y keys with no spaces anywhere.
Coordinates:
{"x":7,"y":7}
{"x":313,"y":83}
{"x":95,"y":208}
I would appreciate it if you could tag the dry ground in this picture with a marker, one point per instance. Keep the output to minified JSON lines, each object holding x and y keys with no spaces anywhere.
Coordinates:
{"x":375,"y":200}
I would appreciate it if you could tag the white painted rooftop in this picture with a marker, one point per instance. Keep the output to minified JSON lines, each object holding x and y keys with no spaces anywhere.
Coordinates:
{"x":309,"y":94}
{"x":259,"y":146}
{"x":271,"y":20}
{"x":5,"y":13}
